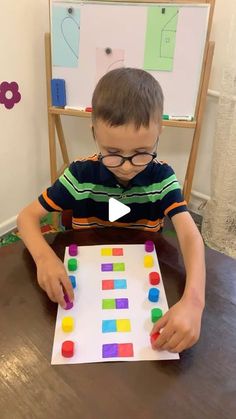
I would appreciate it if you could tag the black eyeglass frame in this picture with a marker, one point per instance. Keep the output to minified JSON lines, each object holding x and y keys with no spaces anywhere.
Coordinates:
{"x":101,"y":157}
{"x":123,"y":159}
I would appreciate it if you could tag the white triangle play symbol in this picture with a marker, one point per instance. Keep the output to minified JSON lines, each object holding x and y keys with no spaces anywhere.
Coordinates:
{"x":117,"y":209}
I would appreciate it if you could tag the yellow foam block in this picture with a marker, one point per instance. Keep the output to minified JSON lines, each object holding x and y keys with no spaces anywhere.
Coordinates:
{"x":106,"y":251}
{"x":148,"y":261}
{"x":67,"y":324}
{"x":123,"y":325}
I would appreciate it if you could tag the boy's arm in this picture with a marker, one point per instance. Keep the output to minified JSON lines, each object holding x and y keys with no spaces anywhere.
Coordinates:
{"x":28,"y":223}
{"x":192,"y":248}
{"x":51,"y":273}
{"x":181,"y":324}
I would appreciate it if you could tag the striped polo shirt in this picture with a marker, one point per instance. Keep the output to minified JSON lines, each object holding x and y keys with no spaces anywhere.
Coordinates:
{"x":86,"y":186}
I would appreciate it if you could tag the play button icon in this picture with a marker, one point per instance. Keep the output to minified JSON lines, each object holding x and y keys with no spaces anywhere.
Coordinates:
{"x":117,"y":209}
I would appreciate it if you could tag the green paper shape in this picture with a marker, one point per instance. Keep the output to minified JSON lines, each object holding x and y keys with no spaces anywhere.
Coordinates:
{"x":118,"y":267}
{"x":65,"y":36}
{"x":108,"y":304}
{"x":160,"y":38}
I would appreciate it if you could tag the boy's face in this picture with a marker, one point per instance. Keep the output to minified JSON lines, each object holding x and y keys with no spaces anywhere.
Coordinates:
{"x":126,"y":141}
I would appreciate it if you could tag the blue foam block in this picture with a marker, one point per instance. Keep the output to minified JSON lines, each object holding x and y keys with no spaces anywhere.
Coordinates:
{"x":153,"y":295}
{"x":72,"y":280}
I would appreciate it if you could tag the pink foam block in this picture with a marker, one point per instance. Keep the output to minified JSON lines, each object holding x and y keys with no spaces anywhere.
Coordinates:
{"x":69,"y":304}
{"x":73,"y":250}
{"x":149,"y":246}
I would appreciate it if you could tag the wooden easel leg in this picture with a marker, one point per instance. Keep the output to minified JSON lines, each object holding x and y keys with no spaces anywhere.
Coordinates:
{"x":53,"y":159}
{"x":191,"y":164}
{"x":61,"y":139}
{"x":195,"y":143}
{"x":54,"y":123}
{"x":52,"y":147}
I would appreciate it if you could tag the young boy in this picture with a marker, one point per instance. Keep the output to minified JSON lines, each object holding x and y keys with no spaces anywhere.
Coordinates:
{"x":126,"y":123}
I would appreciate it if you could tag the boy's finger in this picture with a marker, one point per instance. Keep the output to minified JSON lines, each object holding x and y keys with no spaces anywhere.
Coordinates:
{"x":57,"y":291}
{"x":50,"y":293}
{"x":153,"y":339}
{"x":164,"y":337}
{"x":67,"y":287}
{"x":183,"y":344}
{"x":173,"y":341}
{"x":159,"y":324}
{"x":42,"y":283}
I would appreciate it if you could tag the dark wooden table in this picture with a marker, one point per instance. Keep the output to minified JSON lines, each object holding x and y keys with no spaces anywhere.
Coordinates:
{"x":202,"y":384}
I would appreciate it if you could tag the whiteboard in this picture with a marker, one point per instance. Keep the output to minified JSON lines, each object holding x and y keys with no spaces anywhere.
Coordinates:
{"x":122,"y":27}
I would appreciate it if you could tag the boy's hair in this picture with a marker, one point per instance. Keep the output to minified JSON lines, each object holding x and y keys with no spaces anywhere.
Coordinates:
{"x":127,"y":95}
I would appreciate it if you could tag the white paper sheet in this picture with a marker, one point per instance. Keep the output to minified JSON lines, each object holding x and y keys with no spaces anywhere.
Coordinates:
{"x":88,"y":314}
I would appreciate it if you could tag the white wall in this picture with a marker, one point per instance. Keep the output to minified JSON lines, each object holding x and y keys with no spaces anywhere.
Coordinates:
{"x":23,"y":129}
{"x":24,"y":157}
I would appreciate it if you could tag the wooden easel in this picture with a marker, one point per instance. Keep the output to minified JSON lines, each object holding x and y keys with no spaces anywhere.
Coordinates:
{"x":54,"y":114}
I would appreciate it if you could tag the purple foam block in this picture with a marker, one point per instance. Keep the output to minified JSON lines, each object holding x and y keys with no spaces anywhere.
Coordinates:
{"x":73,"y":250}
{"x":106,"y":267}
{"x":69,"y":305}
{"x":66,"y":298}
{"x":110,"y":350}
{"x":149,"y":246}
{"x":122,"y":303}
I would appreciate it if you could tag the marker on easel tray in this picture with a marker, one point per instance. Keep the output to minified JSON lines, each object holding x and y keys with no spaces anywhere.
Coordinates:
{"x":177,"y":117}
{"x":79,"y":108}
{"x":75,"y":108}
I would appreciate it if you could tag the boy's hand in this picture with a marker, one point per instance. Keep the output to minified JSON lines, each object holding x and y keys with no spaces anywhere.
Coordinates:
{"x":53,"y":278}
{"x":180,"y":326}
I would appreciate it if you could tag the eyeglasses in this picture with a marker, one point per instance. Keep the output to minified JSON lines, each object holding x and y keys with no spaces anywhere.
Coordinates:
{"x":116,"y":160}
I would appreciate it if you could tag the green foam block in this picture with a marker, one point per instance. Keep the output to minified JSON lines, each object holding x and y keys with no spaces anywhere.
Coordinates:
{"x":156,"y":314}
{"x":72,"y":264}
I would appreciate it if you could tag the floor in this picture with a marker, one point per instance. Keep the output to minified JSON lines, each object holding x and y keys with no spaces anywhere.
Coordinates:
{"x":13,"y":236}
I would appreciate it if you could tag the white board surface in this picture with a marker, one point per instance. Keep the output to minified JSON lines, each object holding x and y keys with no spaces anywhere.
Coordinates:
{"x":122,"y":27}
{"x":88,"y":314}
